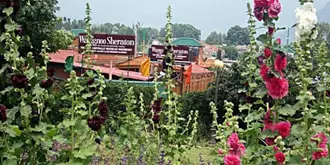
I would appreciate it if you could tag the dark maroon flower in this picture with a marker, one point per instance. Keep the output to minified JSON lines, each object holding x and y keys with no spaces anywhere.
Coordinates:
{"x":271,"y":31}
{"x":259,"y":12}
{"x":156,"y":118}
{"x":19,"y":81}
{"x":261,"y":60}
{"x":103,"y":109}
{"x":50,"y":72}
{"x":46,"y":83}
{"x":90,"y":81}
{"x":327,"y":93}
{"x":157,"y":106}
{"x":95,"y":123}
{"x":246,"y":84}
{"x":3,"y":113}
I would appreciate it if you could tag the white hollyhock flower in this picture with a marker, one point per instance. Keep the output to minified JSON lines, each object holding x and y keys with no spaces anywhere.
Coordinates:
{"x":307,"y":20}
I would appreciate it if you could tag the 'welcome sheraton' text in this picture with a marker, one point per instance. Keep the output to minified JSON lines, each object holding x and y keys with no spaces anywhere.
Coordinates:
{"x":107,"y":41}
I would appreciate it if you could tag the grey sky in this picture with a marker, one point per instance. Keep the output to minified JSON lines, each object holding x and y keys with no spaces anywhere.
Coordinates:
{"x":207,"y":15}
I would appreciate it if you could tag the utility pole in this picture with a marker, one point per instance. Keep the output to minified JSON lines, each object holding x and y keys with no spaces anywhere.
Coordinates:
{"x":288,"y":36}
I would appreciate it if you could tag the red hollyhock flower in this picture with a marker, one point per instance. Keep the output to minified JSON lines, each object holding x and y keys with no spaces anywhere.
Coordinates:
{"x":271,"y":31}
{"x":232,"y":160}
{"x":90,"y":81}
{"x":278,"y":41}
{"x":274,"y":9}
{"x":277,"y":88}
{"x":3,"y":113}
{"x":19,"y":81}
{"x":268,"y":52}
{"x":268,"y":122}
{"x":236,"y":147}
{"x":283,"y":128}
{"x":322,"y":144}
{"x":103,"y":109}
{"x":280,"y":62}
{"x":276,"y":149}
{"x":50,"y":72}
{"x":258,"y":12}
{"x":95,"y":123}
{"x":220,"y":152}
{"x":270,"y":141}
{"x":280,"y":157}
{"x":265,"y":73}
{"x":46,"y":83}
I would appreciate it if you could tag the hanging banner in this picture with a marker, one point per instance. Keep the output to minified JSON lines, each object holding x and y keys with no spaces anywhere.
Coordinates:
{"x":110,"y":44}
{"x":180,"y":53}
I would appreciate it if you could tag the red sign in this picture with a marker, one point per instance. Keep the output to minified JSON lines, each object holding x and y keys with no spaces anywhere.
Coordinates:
{"x":180,"y":53}
{"x":109,"y":44}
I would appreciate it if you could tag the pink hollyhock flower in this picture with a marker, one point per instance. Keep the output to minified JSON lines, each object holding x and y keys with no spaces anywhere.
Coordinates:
{"x":322,"y":144}
{"x":276,"y":149}
{"x":264,"y":70}
{"x":236,"y":147}
{"x":320,"y":154}
{"x":270,"y":141}
{"x":280,"y":157}
{"x":220,"y":152}
{"x":277,"y":88}
{"x":274,"y":9}
{"x":268,"y":123}
{"x":271,"y":31}
{"x":279,"y":41}
{"x":280,"y":62}
{"x":258,"y":12}
{"x":283,"y":128}
{"x":268,"y":52}
{"x":232,"y":160}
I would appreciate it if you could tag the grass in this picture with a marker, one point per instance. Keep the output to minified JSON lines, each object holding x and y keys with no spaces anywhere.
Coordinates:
{"x":208,"y":154}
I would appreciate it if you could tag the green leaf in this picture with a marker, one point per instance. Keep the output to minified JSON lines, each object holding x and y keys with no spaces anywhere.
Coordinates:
{"x":287,"y":110}
{"x":327,"y":64}
{"x":10,"y":27}
{"x":11,"y":113}
{"x":38,"y":90}
{"x":6,"y":90}
{"x":10,"y":162}
{"x":85,"y":152}
{"x":85,"y":96}
{"x":68,"y":123}
{"x":260,"y":93}
{"x":26,"y":111}
{"x":8,"y":11}
{"x":13,"y":131}
{"x":244,"y":107}
{"x":253,"y":85}
{"x":267,"y":133}
{"x":51,"y":133}
{"x":263,"y":38}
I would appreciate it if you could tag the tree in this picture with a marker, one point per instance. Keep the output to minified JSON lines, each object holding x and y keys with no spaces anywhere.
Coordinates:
{"x":214,"y":38}
{"x":183,"y":30}
{"x":38,"y":20}
{"x":324,"y":33}
{"x":238,"y":36}
{"x":231,"y":52}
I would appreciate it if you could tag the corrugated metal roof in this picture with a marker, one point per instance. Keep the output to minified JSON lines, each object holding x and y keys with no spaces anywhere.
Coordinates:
{"x":185,"y":41}
{"x":76,"y":32}
{"x":61,"y":55}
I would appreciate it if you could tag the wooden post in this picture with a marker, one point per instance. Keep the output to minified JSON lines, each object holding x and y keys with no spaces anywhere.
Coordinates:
{"x":110,"y":70}
{"x":181,"y":81}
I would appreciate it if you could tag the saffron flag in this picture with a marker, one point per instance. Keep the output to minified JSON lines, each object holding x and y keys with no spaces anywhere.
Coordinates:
{"x":187,"y":74}
{"x":145,"y":67}
{"x":69,"y":64}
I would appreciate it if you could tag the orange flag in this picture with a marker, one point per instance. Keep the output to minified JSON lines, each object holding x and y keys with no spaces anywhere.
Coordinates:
{"x":187,"y":74}
{"x":145,"y":67}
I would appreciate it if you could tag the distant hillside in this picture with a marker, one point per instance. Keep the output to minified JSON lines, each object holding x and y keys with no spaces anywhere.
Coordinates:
{"x":324,"y":13}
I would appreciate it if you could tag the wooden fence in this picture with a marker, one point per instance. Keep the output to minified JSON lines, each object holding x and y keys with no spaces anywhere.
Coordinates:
{"x":199,"y":82}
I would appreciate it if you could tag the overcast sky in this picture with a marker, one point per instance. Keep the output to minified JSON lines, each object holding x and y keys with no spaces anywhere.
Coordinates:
{"x":206,"y":15}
